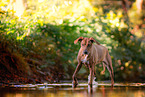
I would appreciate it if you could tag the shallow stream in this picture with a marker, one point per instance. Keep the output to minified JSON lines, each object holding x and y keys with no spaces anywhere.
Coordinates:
{"x":66,"y":90}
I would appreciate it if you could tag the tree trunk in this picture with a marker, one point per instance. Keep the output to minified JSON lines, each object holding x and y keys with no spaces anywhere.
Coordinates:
{"x":139,"y":4}
{"x":125,"y":5}
{"x":19,"y":7}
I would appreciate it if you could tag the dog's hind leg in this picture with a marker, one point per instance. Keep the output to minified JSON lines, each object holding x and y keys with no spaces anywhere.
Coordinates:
{"x":104,"y":68}
{"x":108,"y":63}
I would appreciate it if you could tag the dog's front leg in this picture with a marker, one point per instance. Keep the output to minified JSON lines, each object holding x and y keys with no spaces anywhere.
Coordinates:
{"x":75,"y":82}
{"x":90,"y":82}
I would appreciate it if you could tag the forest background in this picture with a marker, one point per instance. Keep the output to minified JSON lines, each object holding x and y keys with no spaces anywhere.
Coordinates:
{"x":37,"y":38}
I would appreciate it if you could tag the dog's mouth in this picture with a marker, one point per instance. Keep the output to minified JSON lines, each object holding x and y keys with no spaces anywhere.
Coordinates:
{"x":84,"y":58}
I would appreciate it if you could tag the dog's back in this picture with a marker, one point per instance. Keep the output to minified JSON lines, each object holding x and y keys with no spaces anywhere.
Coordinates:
{"x":98,"y":53}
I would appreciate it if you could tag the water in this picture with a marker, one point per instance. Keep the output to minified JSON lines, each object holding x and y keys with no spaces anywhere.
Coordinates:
{"x":65,"y":90}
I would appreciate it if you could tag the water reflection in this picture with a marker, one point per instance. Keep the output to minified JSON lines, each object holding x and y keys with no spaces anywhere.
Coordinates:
{"x":78,"y":92}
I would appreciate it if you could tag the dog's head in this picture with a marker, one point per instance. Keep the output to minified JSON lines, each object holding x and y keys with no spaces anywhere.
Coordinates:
{"x":86,"y":44}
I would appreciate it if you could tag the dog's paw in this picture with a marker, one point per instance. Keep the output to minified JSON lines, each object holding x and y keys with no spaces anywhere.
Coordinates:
{"x":74,"y":84}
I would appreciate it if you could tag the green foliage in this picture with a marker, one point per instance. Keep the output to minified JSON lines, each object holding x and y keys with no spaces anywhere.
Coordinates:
{"x":127,"y":49}
{"x":46,"y":34}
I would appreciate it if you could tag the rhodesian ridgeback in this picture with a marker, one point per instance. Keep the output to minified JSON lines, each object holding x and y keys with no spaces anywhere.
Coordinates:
{"x":90,"y":54}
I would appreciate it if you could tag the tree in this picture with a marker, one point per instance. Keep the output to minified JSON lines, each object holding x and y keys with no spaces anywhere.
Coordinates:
{"x":139,"y":5}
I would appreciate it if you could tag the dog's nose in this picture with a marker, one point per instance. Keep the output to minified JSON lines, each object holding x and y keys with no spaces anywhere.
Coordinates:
{"x":85,"y":52}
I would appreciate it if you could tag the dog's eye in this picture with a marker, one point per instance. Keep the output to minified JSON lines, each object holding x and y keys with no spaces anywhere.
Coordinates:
{"x":83,"y":45}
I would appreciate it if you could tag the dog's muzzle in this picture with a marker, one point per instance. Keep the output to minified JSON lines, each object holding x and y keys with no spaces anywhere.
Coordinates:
{"x":85,"y":52}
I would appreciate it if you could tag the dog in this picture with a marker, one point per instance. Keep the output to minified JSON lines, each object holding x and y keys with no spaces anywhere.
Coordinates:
{"x":90,"y":54}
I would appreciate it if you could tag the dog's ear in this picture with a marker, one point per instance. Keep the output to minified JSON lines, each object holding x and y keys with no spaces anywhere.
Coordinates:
{"x":79,"y":39}
{"x":93,"y":40}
